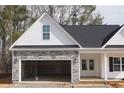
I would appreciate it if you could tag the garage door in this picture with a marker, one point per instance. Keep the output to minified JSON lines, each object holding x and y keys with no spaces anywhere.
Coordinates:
{"x":46,"y":70}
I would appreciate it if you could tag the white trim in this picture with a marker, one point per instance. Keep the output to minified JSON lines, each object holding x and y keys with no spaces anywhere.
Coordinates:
{"x":19,"y":71}
{"x":79,"y":66}
{"x":19,"y":49}
{"x":113,"y":36}
{"x":117,"y":50}
{"x":105,"y":66}
{"x":20,"y":60}
{"x":80,"y":49}
{"x":71,"y":71}
{"x":101,"y":63}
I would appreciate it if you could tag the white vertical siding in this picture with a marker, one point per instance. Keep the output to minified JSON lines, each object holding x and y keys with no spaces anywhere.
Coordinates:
{"x":97,"y":59}
{"x":33,"y":36}
{"x":116,"y":74}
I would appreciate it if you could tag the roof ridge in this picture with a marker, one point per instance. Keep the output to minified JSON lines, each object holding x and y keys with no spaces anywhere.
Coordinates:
{"x":92,"y":25}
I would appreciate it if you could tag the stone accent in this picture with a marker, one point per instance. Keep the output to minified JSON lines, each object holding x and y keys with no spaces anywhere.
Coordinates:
{"x":46,"y":55}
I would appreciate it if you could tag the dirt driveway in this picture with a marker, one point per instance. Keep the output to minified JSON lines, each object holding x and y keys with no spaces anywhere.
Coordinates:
{"x":57,"y":85}
{"x":5,"y":80}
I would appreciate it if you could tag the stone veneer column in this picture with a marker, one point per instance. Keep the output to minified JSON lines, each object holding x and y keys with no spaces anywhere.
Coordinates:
{"x":69,"y":55}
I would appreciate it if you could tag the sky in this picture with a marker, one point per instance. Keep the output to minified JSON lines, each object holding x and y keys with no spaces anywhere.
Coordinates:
{"x":112,"y":14}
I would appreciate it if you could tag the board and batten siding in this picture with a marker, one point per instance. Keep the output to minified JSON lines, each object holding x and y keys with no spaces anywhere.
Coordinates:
{"x":114,"y":74}
{"x":33,"y":36}
{"x":97,"y":67}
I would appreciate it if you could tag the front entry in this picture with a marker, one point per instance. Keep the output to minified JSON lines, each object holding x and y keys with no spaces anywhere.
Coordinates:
{"x":88,"y":67}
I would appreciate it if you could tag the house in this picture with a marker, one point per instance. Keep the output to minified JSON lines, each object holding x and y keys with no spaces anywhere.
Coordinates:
{"x":50,"y":51}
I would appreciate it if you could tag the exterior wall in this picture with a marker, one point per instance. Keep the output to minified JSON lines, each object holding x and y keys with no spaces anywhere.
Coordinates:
{"x":33,"y":36}
{"x":102,"y":70}
{"x":117,"y":74}
{"x":117,"y":39}
{"x":109,"y":75}
{"x":97,"y":58}
{"x":45,"y":55}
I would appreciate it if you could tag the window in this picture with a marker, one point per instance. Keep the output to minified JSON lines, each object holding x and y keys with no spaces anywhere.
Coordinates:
{"x":116,"y":64}
{"x":46,"y":32}
{"x":91,"y":64}
{"x":122,"y":64}
{"x":84,"y":64}
{"x":88,"y":64}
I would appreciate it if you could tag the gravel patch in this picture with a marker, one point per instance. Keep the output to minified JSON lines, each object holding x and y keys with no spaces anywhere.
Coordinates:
{"x":42,"y":85}
{"x":57,"y":85}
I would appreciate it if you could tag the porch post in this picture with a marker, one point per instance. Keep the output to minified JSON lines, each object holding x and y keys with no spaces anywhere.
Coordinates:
{"x":105,"y":66}
{"x":79,"y":62}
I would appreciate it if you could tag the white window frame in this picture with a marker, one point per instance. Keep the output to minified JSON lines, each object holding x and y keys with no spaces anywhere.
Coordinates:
{"x":120,"y":57}
{"x":121,"y":64}
{"x":93,"y":64}
{"x":48,"y":32}
{"x":85,"y":64}
{"x":116,"y":64}
{"x":88,"y":64}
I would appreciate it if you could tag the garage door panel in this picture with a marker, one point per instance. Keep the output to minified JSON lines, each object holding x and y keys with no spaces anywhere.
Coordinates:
{"x":54,"y":67}
{"x":46,"y":68}
{"x":65,"y":69}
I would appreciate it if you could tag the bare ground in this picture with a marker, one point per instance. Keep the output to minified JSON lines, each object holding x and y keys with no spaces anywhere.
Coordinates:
{"x":5,"y":82}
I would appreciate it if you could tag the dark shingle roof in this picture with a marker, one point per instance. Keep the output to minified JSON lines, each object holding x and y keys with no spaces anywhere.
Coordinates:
{"x":91,"y":36}
{"x":114,"y":46}
{"x":45,"y":46}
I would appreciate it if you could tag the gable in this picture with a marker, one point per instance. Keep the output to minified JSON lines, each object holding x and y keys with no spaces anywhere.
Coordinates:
{"x":116,"y":40}
{"x":34,"y":35}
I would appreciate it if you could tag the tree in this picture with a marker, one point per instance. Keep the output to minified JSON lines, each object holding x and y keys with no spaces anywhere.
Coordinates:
{"x":3,"y":35}
{"x":89,"y":17}
{"x":64,"y":15}
{"x":12,"y":25}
